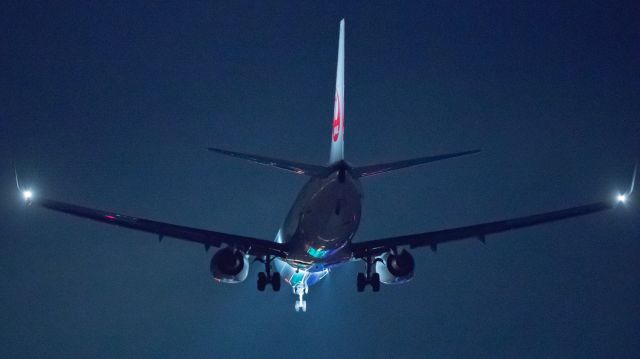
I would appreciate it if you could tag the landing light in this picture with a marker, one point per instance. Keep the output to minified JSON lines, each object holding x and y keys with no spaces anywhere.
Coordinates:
{"x":622,"y":198}
{"x":317,"y":253}
{"x":27,"y":195}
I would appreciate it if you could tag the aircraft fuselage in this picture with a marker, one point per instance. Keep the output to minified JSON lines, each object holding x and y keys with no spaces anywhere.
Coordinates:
{"x":321,"y":223}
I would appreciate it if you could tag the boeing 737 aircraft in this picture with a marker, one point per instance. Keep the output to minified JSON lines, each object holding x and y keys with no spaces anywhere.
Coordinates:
{"x":317,"y":234}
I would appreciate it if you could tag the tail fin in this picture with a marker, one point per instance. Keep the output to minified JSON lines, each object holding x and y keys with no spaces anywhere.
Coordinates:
{"x":337,"y":131}
{"x":366,"y":171}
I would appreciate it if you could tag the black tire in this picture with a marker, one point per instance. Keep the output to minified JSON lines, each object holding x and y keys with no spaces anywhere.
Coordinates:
{"x":375,"y":282}
{"x":262,"y":281}
{"x":275,"y":281}
{"x":361,"y":281}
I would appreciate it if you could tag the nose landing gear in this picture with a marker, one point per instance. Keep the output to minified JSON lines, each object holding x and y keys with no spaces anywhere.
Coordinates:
{"x":369,"y":277}
{"x":300,"y":290}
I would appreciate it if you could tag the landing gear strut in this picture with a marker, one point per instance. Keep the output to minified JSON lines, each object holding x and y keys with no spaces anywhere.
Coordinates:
{"x":267,"y":277}
{"x":369,"y":277}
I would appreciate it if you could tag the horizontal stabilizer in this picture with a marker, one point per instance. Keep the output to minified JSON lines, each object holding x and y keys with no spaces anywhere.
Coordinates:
{"x":372,"y":170}
{"x":295,"y":167}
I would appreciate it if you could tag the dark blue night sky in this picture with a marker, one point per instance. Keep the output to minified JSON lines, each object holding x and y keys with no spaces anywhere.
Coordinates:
{"x":113,"y":105}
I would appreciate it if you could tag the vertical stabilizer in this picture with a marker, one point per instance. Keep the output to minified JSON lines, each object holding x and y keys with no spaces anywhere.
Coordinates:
{"x":337,"y":129}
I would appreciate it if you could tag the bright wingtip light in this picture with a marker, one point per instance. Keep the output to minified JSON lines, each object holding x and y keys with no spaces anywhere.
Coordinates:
{"x":28,"y":195}
{"x":622,"y":198}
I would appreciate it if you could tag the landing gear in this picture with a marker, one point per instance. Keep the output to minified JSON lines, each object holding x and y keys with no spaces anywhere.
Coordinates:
{"x":362,"y":282}
{"x":370,"y":277}
{"x":375,"y":282}
{"x":300,"y":290}
{"x":275,"y":281}
{"x":267,"y":277}
{"x":262,"y":281}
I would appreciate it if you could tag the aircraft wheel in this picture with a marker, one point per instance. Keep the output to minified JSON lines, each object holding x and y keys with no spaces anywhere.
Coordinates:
{"x":301,"y":304}
{"x":375,"y":282}
{"x":275,"y":281}
{"x":362,"y":281}
{"x":262,"y":281}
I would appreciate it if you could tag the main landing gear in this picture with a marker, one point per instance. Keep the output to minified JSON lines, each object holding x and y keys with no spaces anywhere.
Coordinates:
{"x":370,"y":276}
{"x":267,"y":277}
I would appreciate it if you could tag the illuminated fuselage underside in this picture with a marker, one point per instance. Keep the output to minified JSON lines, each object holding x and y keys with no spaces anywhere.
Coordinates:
{"x":319,"y":227}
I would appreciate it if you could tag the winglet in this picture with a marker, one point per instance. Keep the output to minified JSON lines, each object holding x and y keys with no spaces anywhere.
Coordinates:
{"x":27,"y":194}
{"x":622,"y":198}
{"x":17,"y":182}
{"x":633,"y":180}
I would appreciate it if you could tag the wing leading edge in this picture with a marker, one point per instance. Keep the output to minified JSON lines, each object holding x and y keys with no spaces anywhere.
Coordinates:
{"x":252,"y":246}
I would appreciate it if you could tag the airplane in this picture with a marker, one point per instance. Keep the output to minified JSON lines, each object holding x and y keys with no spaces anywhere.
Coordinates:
{"x":316,"y":235}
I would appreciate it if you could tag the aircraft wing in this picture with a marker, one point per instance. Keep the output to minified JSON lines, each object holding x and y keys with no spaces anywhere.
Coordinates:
{"x":433,"y":239}
{"x":252,"y":246}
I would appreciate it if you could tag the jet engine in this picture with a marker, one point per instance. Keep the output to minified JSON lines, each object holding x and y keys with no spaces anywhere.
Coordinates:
{"x":395,"y":268}
{"x":229,"y":266}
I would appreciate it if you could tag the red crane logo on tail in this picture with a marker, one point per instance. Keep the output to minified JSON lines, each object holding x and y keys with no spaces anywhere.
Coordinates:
{"x":337,"y":120}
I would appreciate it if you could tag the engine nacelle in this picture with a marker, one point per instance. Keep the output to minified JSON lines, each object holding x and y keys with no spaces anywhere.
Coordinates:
{"x":395,"y":268}
{"x":229,"y":266}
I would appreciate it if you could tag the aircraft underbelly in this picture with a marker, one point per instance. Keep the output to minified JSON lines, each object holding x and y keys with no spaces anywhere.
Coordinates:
{"x":322,"y":221}
{"x":326,"y":219}
{"x":331,"y":217}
